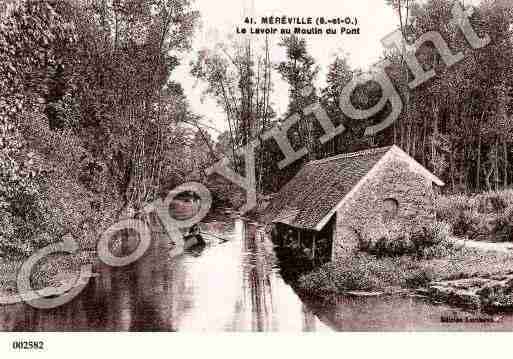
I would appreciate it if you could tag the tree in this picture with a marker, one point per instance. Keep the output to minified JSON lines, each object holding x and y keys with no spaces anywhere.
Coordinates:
{"x":299,"y":71}
{"x":88,"y":113}
{"x":127,"y":51}
{"x":27,"y":59}
{"x":238,"y":78}
{"x":457,"y":124}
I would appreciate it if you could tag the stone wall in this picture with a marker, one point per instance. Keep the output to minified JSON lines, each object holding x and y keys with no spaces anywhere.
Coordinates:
{"x":396,"y":180}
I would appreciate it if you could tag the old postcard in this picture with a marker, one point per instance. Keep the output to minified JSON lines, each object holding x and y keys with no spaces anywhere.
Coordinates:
{"x":255,"y":166}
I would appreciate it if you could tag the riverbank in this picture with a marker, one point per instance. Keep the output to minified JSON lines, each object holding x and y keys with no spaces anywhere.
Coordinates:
{"x":458,"y":271}
{"x":365,"y":272}
{"x":57,"y":269}
{"x":192,"y":292}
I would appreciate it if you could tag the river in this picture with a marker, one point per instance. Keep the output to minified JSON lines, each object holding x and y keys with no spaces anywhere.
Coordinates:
{"x":232,"y":285}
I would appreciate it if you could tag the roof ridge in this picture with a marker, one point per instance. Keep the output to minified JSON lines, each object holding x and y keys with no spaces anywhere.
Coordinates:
{"x":352,"y":154}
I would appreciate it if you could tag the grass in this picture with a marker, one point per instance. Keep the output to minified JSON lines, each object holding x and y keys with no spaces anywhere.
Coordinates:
{"x":366,"y":272}
{"x":383,"y":268}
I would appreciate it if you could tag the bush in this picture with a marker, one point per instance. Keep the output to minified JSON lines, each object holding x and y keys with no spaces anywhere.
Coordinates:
{"x":446,"y":207}
{"x":392,"y":247}
{"x":431,"y":242}
{"x":442,"y":249}
{"x":436,"y":242}
{"x":360,"y":272}
{"x":389,"y":240}
{"x":418,"y":279}
{"x":467,"y":214}
{"x":437,"y":232}
{"x":366,"y":272}
{"x":400,"y":243}
{"x":460,"y":212}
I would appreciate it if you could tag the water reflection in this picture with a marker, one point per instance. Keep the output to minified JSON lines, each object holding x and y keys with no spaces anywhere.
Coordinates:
{"x":230,"y":285}
{"x":403,"y":313}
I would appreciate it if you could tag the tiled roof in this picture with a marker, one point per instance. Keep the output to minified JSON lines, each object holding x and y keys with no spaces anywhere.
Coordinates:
{"x":320,"y":186}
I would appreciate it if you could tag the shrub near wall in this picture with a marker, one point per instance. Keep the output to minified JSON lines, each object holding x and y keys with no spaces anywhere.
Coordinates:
{"x":485,"y":216}
{"x":364,"y":272}
{"x":432,"y":242}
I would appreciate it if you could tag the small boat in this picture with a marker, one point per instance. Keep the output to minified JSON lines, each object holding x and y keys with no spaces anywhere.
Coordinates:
{"x":213,"y":237}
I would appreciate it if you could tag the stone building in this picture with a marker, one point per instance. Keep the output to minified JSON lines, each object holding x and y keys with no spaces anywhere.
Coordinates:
{"x":338,"y":199}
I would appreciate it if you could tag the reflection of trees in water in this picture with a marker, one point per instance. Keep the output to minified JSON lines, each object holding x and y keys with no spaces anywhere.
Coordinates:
{"x":69,"y":317}
{"x":153,"y":289}
{"x":118,"y":299}
{"x":156,"y":293}
{"x":259,"y":286}
{"x":256,"y":279}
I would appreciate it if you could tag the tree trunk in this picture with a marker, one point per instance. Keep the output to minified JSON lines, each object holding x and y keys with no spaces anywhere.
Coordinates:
{"x":424,"y":135}
{"x":453,"y":183}
{"x":487,"y":180}
{"x":496,"y":164}
{"x":433,"y":138}
{"x":478,"y":173}
{"x":465,"y":167}
{"x":505,"y":164}
{"x":395,"y":132}
{"x":414,"y":142}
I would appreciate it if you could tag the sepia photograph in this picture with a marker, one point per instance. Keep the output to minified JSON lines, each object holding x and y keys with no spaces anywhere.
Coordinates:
{"x":245,"y":166}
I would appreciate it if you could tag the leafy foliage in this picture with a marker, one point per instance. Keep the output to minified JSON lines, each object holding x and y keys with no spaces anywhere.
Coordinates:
{"x":88,"y":116}
{"x":26,"y":58}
